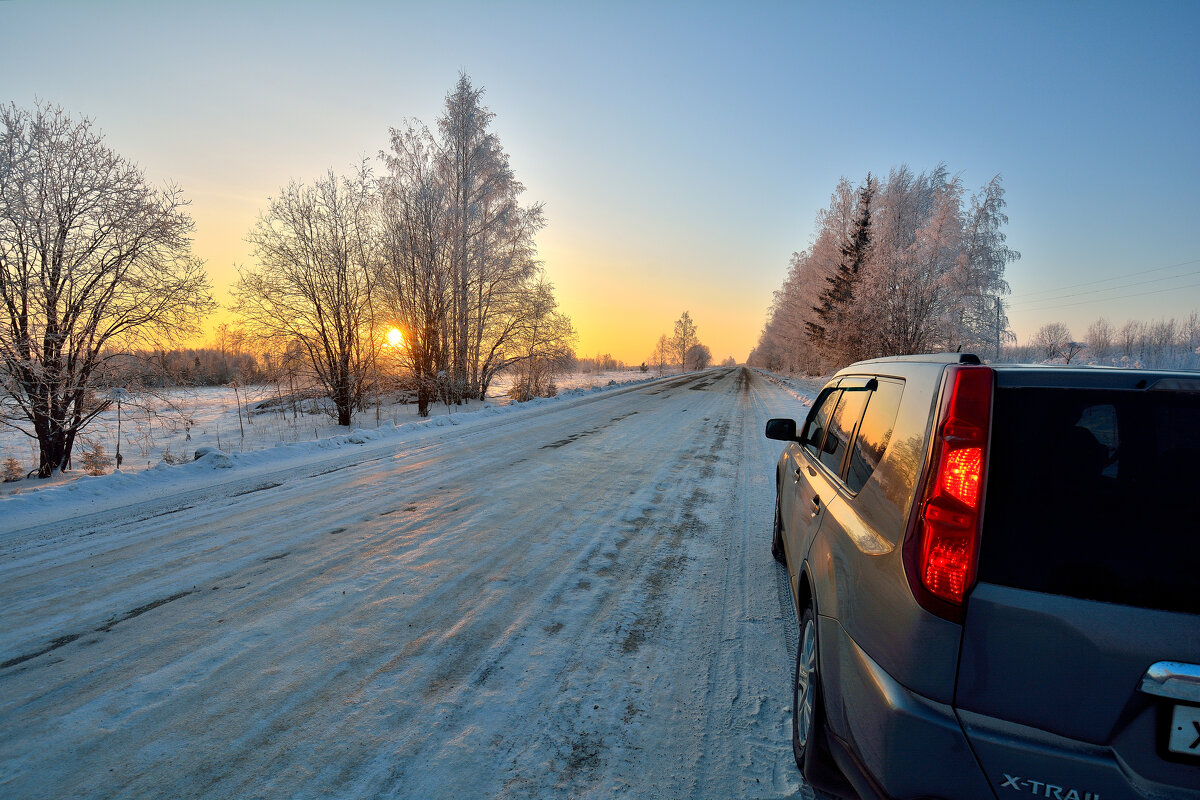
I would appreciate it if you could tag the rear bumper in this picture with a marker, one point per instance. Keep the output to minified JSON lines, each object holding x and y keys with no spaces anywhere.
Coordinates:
{"x":1024,"y":760}
{"x":892,"y":742}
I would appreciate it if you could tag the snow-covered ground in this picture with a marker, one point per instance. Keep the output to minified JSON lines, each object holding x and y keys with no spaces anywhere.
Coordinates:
{"x":571,"y":597}
{"x":174,"y":423}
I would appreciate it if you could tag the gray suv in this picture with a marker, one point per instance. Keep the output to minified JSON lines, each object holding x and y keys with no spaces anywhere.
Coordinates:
{"x":997,"y":576}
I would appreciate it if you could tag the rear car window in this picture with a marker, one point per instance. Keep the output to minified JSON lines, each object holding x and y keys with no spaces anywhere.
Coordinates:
{"x":874,"y":433}
{"x":1092,"y":494}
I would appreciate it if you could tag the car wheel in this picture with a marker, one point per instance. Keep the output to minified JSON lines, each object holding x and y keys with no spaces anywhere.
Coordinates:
{"x":806,"y":694}
{"x":777,"y":539}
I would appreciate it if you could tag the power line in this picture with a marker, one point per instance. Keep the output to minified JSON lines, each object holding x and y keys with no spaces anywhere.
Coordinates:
{"x":1191,"y":274}
{"x":1110,"y":299}
{"x":1028,"y":295}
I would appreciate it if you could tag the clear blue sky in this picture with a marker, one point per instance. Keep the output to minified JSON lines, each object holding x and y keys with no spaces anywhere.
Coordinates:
{"x":682,"y":149}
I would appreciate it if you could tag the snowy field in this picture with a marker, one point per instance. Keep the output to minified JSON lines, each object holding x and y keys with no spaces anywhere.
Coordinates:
{"x":173,"y":423}
{"x":572,"y":597}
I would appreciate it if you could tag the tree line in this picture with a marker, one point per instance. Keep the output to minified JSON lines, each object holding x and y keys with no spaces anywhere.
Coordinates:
{"x":1157,"y":344}
{"x":434,"y":242}
{"x":905,"y":265}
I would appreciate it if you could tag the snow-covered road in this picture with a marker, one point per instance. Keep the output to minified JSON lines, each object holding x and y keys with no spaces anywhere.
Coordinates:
{"x":571,"y":600}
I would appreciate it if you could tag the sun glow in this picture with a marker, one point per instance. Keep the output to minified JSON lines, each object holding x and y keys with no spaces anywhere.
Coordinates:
{"x":395,"y":338}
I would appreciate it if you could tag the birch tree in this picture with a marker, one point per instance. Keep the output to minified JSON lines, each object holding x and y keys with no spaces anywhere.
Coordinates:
{"x":460,"y":267}
{"x":541,"y":344}
{"x":492,"y":254}
{"x":979,"y":272}
{"x":92,"y":259}
{"x":316,"y":245}
{"x":415,"y":275}
{"x":684,"y":339}
{"x":1052,"y":340}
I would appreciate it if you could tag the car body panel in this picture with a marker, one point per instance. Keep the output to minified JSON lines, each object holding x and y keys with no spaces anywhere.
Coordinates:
{"x":1018,"y":690}
{"x":1074,"y":673}
{"x":892,"y":728}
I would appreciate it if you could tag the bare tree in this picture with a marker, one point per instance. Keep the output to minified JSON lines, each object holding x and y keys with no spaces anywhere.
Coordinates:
{"x":1100,"y":338}
{"x":415,"y":278}
{"x":662,"y":354}
{"x":541,"y":344}
{"x":316,"y":247}
{"x":684,"y":338}
{"x":1052,"y":340}
{"x":92,"y":257}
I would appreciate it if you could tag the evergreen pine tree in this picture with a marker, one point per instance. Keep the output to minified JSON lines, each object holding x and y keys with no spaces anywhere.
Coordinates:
{"x":836,"y":334}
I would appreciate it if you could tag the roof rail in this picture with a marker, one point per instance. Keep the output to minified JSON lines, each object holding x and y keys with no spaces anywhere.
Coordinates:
{"x":932,"y":358}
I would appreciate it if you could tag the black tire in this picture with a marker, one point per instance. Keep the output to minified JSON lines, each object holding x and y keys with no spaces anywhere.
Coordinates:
{"x":807,"y":711}
{"x":777,"y":538}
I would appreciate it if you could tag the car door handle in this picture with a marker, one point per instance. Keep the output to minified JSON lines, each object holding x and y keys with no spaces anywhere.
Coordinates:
{"x":796,"y":474}
{"x":816,"y":505}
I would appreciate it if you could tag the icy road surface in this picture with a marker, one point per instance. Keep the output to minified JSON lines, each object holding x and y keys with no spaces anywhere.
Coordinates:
{"x":572,"y":600}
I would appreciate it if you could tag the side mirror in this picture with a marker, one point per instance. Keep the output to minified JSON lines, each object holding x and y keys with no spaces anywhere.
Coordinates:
{"x":782,"y":429}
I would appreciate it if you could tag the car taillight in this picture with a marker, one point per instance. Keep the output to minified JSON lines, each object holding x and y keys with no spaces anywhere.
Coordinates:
{"x":941,"y":552}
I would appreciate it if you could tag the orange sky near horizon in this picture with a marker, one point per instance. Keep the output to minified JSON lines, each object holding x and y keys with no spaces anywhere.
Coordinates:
{"x":591,"y":284}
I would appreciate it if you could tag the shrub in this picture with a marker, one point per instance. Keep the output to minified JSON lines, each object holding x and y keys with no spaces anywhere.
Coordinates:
{"x":95,"y":460}
{"x":520,"y":393}
{"x":173,"y":459}
{"x":12,"y":470}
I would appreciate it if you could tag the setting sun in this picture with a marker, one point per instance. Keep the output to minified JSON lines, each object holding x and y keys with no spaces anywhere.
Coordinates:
{"x":395,"y":337}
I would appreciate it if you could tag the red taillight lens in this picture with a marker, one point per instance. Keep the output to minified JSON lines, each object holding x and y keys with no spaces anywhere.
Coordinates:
{"x":963,"y":471}
{"x":943,"y":552}
{"x":946,"y":563}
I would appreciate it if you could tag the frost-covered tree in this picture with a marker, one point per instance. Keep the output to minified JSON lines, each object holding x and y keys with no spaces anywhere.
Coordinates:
{"x":459,"y":270}
{"x":93,"y":259}
{"x":838,"y":331}
{"x":415,"y":278}
{"x":909,"y":294}
{"x":930,"y":275}
{"x":699,"y":356}
{"x":1052,"y":340}
{"x":662,"y":354}
{"x":1100,"y":338}
{"x":316,"y":246}
{"x":683,"y":339}
{"x":978,"y":277}
{"x":541,"y":344}
{"x":493,"y":257}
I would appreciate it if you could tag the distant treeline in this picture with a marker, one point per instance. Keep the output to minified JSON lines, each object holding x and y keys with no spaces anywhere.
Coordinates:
{"x":217,"y":366}
{"x":205,"y":366}
{"x":1157,"y":344}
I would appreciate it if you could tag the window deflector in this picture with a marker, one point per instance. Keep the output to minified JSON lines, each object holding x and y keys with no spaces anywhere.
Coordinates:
{"x":1175,"y":385}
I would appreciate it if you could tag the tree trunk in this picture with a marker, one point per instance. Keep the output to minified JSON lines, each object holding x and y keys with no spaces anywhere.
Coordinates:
{"x":52,"y":453}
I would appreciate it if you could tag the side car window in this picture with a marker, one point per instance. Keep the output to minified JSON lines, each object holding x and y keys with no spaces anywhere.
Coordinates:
{"x":818,"y":421}
{"x":849,"y":411}
{"x":874,"y":433}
